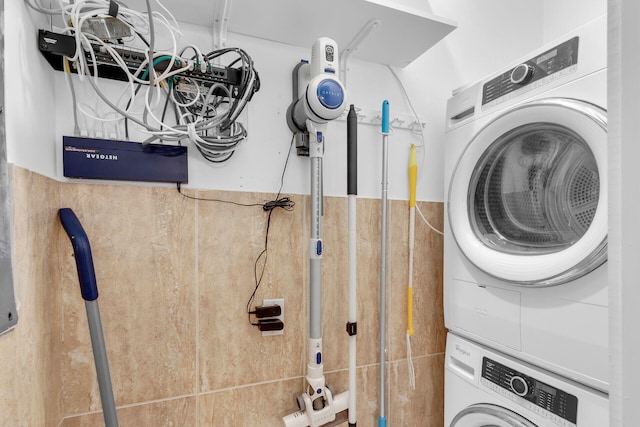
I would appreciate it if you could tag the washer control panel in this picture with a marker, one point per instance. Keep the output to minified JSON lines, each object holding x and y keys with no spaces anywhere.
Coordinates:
{"x":534,"y":72}
{"x":543,"y":399}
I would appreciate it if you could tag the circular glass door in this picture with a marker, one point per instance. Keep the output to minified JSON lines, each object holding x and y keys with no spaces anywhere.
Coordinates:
{"x":527,"y":200}
{"x":487,"y":415}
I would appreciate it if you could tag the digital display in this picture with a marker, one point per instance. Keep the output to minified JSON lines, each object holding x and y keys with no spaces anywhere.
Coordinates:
{"x":547,"y":56}
{"x":545,"y":388}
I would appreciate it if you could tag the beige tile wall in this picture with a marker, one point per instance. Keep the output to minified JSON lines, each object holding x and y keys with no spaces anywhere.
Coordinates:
{"x":31,"y":355}
{"x":175,"y":276}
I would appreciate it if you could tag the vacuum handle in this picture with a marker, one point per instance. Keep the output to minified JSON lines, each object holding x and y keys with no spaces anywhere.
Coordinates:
{"x":82,"y":251}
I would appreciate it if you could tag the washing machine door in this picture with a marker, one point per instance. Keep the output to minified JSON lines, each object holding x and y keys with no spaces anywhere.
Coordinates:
{"x":488,"y":415}
{"x":528,"y":199}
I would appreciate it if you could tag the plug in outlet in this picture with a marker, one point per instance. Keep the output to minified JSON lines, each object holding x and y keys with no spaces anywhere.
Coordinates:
{"x":270,"y":302}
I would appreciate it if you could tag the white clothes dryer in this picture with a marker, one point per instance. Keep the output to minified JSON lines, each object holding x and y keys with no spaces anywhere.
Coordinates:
{"x":486,"y":388}
{"x":526,"y":209}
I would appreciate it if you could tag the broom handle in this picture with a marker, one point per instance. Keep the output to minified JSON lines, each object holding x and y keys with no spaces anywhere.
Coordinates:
{"x":413,"y":177}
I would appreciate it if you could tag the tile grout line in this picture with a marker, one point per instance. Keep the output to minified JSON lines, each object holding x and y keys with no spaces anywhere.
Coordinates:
{"x":129,"y":405}
{"x":62,"y":320}
{"x":197,"y":312}
{"x":148,"y":402}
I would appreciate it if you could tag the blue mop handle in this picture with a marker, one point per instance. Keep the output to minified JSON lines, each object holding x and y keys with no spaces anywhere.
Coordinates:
{"x":385,"y":116}
{"x":82,"y":251}
{"x":382,"y":420}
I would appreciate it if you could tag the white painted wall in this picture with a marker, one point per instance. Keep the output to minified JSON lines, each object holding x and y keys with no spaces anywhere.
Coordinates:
{"x":563,"y":16}
{"x":490,"y":35}
{"x":30,"y":95}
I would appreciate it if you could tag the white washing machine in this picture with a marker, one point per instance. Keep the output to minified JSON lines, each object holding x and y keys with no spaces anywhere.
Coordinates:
{"x":486,"y":388}
{"x":526,"y":209}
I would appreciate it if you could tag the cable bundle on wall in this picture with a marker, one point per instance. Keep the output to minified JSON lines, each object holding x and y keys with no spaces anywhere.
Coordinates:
{"x":216,"y":134}
{"x":206,"y":101}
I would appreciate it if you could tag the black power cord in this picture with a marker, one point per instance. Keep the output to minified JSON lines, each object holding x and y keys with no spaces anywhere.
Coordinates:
{"x":269,"y":206}
{"x":279,"y":202}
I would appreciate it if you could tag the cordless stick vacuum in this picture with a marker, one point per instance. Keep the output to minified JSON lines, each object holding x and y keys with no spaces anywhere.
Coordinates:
{"x":322,"y":100}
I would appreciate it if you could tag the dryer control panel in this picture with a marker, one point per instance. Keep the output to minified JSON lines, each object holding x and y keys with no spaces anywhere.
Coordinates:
{"x":533,"y":73}
{"x":543,"y":399}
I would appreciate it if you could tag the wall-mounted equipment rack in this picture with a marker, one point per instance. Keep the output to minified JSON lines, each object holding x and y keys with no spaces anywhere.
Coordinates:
{"x":55,"y":46}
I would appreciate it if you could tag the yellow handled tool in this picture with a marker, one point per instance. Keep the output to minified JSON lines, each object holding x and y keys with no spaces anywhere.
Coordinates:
{"x":413,"y":177}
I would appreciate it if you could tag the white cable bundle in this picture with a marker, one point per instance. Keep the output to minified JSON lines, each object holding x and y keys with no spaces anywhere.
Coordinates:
{"x":206,"y":116}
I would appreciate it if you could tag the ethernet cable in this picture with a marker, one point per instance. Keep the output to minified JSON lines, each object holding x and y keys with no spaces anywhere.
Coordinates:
{"x":206,"y":118}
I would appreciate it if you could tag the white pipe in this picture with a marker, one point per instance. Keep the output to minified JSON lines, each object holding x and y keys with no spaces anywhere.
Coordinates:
{"x":222,"y":11}
{"x":353,"y":45}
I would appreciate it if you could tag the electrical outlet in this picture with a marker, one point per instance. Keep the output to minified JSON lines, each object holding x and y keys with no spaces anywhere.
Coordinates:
{"x":270,"y":302}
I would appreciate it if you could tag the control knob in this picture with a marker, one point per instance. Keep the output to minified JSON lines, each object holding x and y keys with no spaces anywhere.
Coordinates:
{"x":521,"y":74}
{"x":520,"y":386}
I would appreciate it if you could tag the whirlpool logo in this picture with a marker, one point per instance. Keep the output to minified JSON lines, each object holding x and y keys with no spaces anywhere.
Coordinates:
{"x":462,"y":350}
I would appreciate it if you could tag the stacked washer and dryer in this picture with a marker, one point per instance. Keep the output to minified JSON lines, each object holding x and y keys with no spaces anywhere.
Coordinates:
{"x":525,"y":277}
